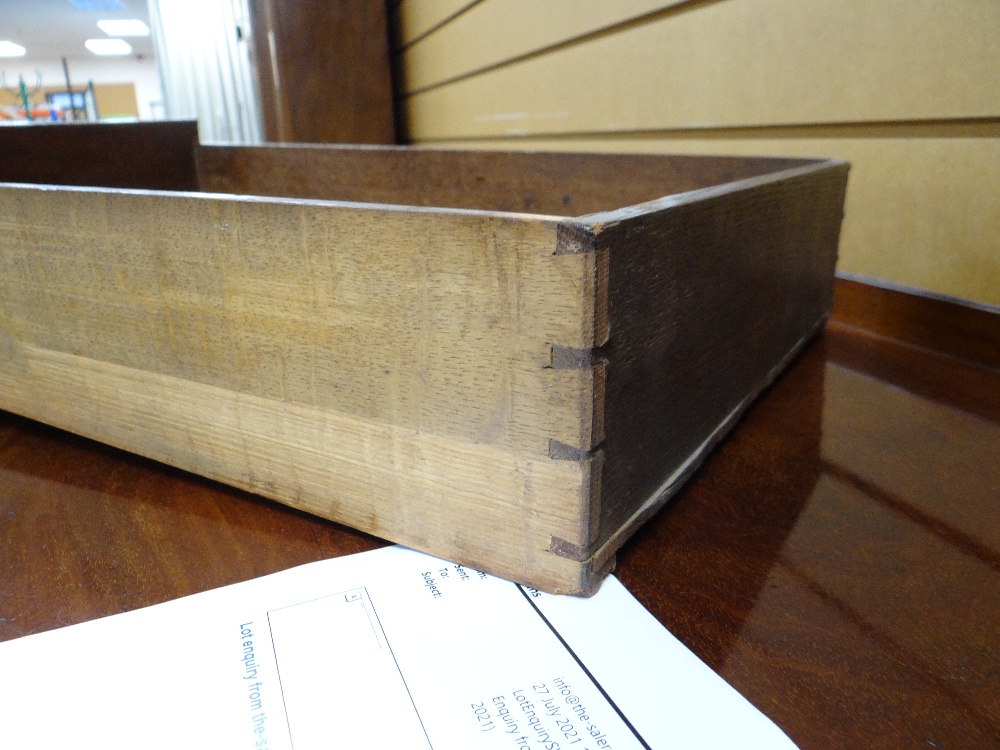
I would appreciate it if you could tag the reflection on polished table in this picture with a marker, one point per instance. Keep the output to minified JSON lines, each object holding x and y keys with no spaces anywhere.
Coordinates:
{"x":837,"y":558}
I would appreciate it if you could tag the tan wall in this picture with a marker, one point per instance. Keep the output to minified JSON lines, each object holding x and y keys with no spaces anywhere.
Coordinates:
{"x":115,"y":99}
{"x":111,"y":98}
{"x":907,"y":90}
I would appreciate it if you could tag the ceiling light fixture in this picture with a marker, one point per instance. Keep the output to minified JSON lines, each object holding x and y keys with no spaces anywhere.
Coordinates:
{"x":108,"y":46}
{"x":9,"y":49}
{"x":97,"y":4}
{"x":123,"y":27}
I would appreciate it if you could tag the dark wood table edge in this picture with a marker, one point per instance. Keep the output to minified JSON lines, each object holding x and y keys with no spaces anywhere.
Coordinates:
{"x":953,"y":327}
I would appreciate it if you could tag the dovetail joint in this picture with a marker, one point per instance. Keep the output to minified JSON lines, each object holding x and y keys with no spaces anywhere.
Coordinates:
{"x":559,"y":451}
{"x":572,"y":239}
{"x":570,"y":551}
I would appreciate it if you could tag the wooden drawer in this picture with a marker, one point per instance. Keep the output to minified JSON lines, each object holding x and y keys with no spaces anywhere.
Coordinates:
{"x":506,"y":359}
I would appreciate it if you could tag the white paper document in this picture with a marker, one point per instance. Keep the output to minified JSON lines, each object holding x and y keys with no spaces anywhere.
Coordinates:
{"x":385,"y":649}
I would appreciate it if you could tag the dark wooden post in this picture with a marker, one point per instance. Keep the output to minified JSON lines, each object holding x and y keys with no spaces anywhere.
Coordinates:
{"x":323,"y":70}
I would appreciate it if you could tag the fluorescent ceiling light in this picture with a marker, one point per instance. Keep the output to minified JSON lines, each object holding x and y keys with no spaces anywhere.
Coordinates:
{"x":9,"y":49}
{"x":123,"y":27}
{"x":97,"y":4}
{"x":108,"y":46}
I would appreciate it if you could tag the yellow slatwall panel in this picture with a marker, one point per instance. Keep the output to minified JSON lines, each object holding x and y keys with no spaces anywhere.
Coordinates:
{"x":470,"y":43}
{"x":907,"y":90}
{"x":414,"y":18}
{"x":738,"y":62}
{"x":921,"y":211}
{"x":115,"y":99}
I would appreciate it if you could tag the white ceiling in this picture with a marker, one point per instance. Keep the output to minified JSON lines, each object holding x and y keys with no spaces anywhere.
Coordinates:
{"x":52,"y":29}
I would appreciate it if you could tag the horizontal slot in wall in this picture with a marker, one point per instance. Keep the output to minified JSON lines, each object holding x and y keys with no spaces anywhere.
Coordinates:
{"x":414,"y":19}
{"x":465,"y":41}
{"x":732,"y":63}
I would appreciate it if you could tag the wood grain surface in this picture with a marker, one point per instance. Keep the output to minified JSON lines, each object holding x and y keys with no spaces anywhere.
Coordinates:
{"x":912,"y":186}
{"x":903,"y":90}
{"x":149,"y":155}
{"x":699,"y":331}
{"x":835,"y":559}
{"x":947,"y":326}
{"x":409,"y":395}
{"x":511,"y":391}
{"x":564,"y":184}
{"x":323,"y":70}
{"x":802,"y":564}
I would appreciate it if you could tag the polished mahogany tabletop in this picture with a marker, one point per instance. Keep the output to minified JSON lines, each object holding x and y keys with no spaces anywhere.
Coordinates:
{"x":837,"y":558}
